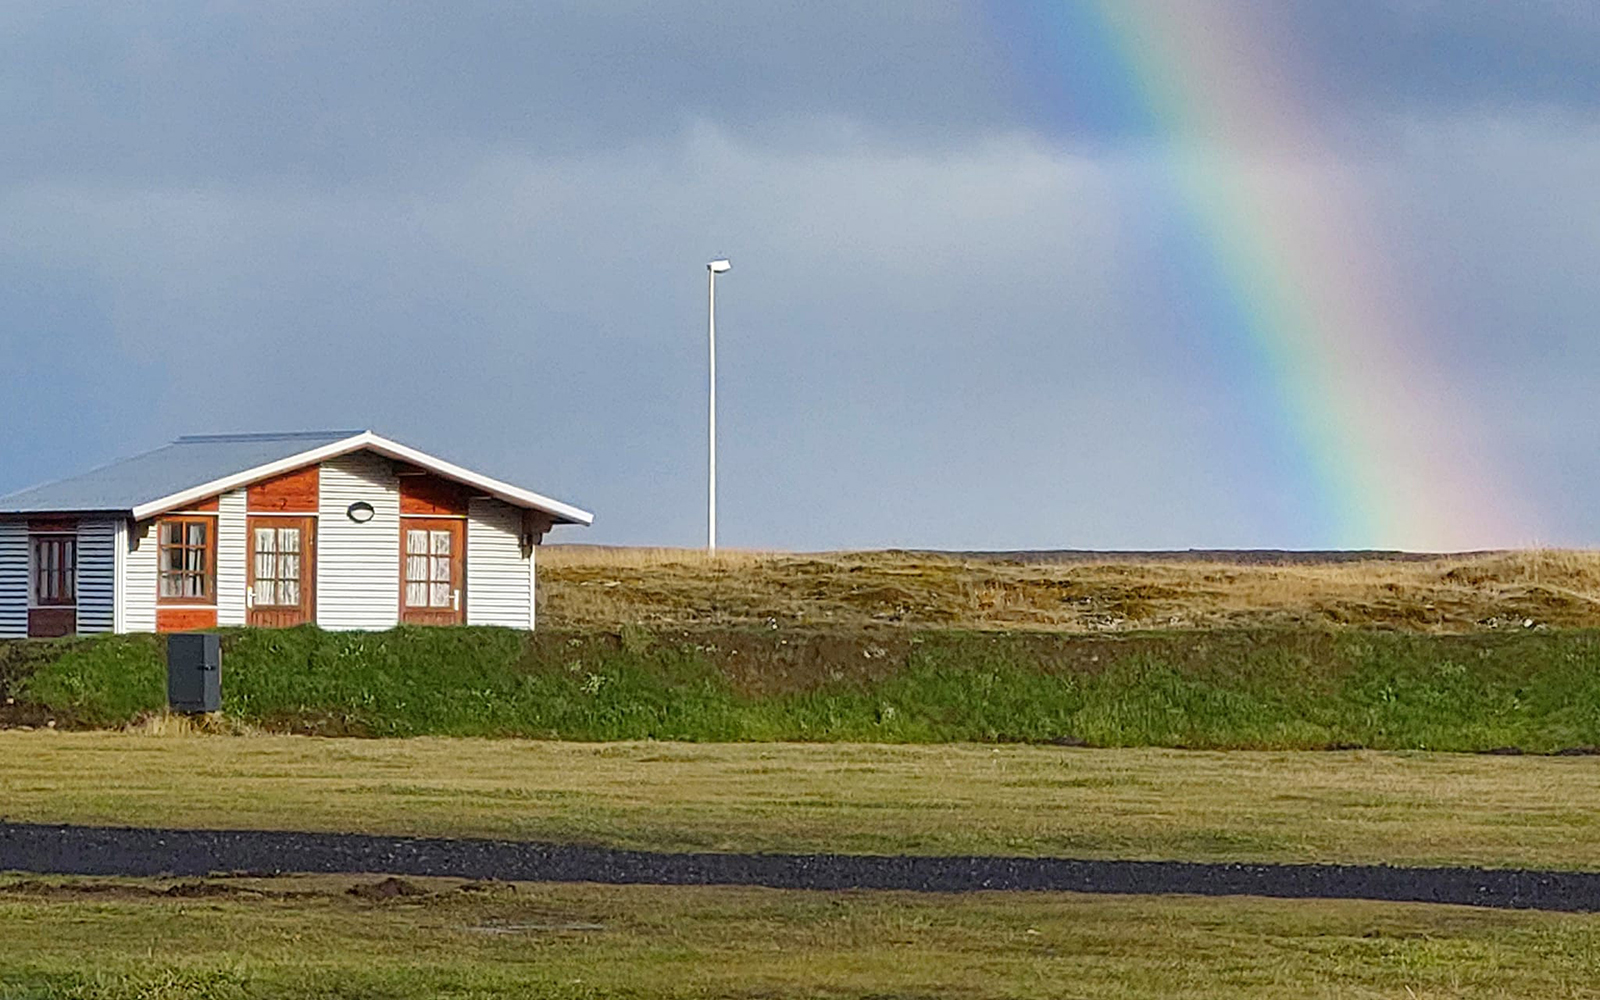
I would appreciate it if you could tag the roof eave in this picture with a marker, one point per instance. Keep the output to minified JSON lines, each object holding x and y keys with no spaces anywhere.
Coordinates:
{"x":13,"y":514}
{"x":514,"y":495}
{"x":563,"y":513}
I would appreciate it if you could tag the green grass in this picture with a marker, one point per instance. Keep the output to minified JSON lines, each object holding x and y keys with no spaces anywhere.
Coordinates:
{"x":1359,"y":806}
{"x":1292,"y":688}
{"x":308,"y":937}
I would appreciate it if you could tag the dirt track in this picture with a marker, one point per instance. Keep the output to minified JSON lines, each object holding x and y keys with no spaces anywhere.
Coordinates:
{"x":73,"y":850}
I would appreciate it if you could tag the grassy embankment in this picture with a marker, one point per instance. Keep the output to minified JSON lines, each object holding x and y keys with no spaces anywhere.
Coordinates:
{"x":309,"y":937}
{"x":1270,"y":689}
{"x":1363,"y":806}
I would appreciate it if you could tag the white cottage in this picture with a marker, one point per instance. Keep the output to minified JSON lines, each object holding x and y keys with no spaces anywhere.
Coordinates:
{"x":343,"y":529}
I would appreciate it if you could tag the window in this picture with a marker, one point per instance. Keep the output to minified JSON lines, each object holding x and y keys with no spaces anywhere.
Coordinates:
{"x":277,"y":576}
{"x":55,"y":570}
{"x":428,"y":569}
{"x":187,"y":560}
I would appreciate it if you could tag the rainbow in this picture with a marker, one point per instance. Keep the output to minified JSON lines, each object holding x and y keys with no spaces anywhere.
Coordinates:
{"x":1331,"y":354}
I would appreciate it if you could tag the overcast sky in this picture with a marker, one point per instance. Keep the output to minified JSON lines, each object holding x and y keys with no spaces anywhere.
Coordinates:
{"x":952,"y":321}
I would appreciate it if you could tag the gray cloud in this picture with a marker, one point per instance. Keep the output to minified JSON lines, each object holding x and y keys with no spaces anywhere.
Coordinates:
{"x":176,"y":93}
{"x":1472,"y":54}
{"x":330,"y":94}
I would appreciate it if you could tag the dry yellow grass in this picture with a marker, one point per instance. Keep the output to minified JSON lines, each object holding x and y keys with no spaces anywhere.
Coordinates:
{"x":598,"y":587}
{"x":168,"y":723}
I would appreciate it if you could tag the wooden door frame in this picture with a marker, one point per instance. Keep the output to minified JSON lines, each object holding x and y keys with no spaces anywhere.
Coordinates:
{"x":458,"y":560}
{"x":308,"y":562}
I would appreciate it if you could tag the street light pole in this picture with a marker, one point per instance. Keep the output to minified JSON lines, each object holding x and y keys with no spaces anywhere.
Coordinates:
{"x":713,"y":269}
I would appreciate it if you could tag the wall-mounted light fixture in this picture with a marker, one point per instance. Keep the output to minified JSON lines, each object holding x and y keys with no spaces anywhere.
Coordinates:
{"x":360,"y":512}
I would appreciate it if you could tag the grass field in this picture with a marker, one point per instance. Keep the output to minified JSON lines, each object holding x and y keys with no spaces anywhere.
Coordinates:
{"x":1394,"y":808}
{"x":604,"y":588}
{"x":889,"y":666}
{"x":310,"y":937}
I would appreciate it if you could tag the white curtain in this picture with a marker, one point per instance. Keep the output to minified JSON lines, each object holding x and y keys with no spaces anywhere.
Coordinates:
{"x":266,"y":566}
{"x":416,"y":568}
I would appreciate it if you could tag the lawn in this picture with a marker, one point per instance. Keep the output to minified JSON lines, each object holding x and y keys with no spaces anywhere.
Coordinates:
{"x":1357,"y":806}
{"x":310,"y":937}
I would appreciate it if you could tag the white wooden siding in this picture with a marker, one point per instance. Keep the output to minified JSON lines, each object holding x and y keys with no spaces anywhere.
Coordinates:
{"x":358,"y":565}
{"x":139,"y":579}
{"x":97,"y":579}
{"x":13,"y":579}
{"x":499,"y":581}
{"x":232,"y":553}
{"x":119,"y":582}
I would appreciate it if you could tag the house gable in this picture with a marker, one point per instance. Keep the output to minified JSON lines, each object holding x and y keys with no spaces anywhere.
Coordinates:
{"x":294,"y":491}
{"x":422,"y":493}
{"x":555,"y":510}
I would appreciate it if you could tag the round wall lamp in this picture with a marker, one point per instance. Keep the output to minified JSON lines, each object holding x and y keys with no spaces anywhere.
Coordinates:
{"x":360,"y":512}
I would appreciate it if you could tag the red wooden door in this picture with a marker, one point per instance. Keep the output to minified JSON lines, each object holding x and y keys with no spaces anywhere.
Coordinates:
{"x":433,"y":571}
{"x":283,"y":571}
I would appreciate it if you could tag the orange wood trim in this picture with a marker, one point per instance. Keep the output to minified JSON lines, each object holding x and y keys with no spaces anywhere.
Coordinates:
{"x":50,"y":623}
{"x":57,"y":524}
{"x":296,"y":490}
{"x":203,"y":507}
{"x":185,"y":619}
{"x":425,"y":495}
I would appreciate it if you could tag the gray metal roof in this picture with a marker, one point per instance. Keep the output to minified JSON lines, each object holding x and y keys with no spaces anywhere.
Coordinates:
{"x":184,"y":464}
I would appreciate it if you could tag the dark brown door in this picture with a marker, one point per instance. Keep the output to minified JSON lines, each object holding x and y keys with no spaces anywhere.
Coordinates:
{"x":432,"y":571}
{"x":283,"y":571}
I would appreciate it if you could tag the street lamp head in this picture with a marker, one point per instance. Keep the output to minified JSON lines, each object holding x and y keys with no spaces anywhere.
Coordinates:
{"x":718,"y":266}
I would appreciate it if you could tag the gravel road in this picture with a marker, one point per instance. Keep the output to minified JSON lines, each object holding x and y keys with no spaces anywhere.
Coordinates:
{"x":79,"y":850}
